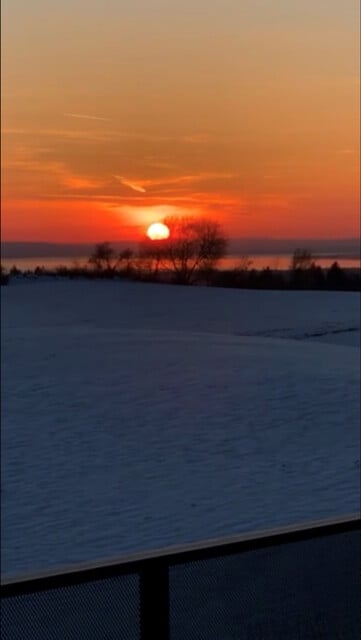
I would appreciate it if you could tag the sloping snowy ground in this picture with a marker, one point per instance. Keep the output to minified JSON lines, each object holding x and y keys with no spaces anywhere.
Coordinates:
{"x":136,"y":416}
{"x":291,"y":314}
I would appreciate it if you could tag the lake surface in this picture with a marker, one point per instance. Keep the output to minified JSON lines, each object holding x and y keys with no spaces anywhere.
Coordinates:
{"x":260,"y":261}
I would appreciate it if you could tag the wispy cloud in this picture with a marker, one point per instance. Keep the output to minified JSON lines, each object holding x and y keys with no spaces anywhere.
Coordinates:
{"x":71,"y":134}
{"x":135,"y":186}
{"x":201,"y":200}
{"x":80,"y":182}
{"x":152,"y":161}
{"x":141,"y":186}
{"x":346,"y":152}
{"x":85,"y":117}
{"x":199,"y":138}
{"x":31,"y":165}
{"x":104,"y":134}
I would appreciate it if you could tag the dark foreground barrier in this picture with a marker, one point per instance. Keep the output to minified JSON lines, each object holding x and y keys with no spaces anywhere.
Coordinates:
{"x":296,"y":583}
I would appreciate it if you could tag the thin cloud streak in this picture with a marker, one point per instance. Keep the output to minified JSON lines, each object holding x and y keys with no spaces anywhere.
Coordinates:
{"x":85,"y":117}
{"x":346,"y":151}
{"x":54,"y":170}
{"x":113,"y":200}
{"x":135,"y":186}
{"x":103,"y":134}
{"x":140,"y":185}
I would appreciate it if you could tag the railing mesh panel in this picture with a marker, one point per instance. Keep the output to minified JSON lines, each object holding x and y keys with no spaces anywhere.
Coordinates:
{"x":104,"y":609}
{"x":296,"y":591}
{"x":299,"y":590}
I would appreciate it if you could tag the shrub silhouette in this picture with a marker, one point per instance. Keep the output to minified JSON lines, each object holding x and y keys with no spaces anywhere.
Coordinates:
{"x":4,"y":277}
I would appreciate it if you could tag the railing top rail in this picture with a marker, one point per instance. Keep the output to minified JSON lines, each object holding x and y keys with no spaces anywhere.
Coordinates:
{"x":173,"y":555}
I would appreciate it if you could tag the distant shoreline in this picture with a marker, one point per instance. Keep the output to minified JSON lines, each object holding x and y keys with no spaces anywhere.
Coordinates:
{"x":314,"y":277}
{"x":258,"y":262}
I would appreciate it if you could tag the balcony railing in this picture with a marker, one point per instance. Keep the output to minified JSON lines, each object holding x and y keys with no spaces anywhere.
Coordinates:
{"x":300,"y":582}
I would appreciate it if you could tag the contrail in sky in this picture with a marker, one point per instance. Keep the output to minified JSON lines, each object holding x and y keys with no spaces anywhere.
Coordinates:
{"x":85,"y":117}
{"x":132,"y":185}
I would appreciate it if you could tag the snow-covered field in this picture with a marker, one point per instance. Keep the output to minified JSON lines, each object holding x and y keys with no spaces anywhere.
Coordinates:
{"x":136,"y":416}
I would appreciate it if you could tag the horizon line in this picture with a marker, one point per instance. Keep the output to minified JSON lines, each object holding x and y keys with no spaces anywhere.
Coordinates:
{"x":233,"y":239}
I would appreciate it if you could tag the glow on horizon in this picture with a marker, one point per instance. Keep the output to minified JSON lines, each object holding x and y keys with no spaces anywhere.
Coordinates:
{"x":249,"y":115}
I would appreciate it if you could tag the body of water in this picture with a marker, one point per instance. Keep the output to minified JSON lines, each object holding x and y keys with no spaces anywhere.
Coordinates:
{"x":259,"y":261}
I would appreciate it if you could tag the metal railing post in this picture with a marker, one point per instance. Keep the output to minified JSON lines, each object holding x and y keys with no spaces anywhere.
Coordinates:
{"x":154,"y":600}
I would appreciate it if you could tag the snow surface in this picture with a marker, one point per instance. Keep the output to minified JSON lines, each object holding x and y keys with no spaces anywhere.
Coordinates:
{"x":136,"y":416}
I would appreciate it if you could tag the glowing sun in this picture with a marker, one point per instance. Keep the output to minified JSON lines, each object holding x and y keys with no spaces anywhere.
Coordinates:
{"x":158,"y":231}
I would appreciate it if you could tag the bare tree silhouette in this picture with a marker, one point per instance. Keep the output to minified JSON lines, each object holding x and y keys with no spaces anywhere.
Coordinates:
{"x":104,"y":258}
{"x":193,"y":249}
{"x":302,"y":259}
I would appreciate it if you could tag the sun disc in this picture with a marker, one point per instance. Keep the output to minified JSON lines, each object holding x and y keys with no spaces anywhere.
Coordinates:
{"x":158,"y":231}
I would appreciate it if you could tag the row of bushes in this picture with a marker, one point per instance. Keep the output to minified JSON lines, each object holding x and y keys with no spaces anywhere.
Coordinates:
{"x":334,"y":278}
{"x":315,"y":277}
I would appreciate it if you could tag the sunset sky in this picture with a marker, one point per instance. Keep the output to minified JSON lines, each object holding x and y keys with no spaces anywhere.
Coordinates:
{"x":116,"y":113}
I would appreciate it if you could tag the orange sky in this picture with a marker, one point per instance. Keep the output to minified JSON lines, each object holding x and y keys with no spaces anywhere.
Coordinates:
{"x":117,"y":114}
